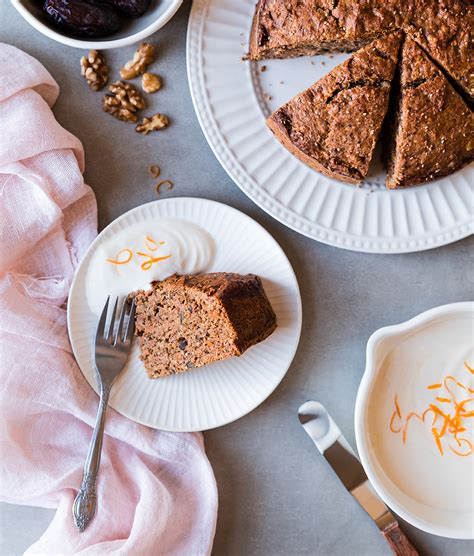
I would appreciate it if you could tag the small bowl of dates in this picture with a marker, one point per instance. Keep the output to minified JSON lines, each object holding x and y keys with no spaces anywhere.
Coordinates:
{"x":97,"y":24}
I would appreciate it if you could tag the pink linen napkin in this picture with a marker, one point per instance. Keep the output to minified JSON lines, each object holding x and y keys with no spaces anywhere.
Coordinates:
{"x":156,"y":490}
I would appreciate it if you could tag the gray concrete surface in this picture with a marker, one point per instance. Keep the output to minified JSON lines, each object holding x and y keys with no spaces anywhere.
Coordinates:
{"x":277,"y":497}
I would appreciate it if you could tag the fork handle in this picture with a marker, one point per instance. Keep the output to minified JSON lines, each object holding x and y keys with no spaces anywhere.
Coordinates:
{"x":86,"y":500}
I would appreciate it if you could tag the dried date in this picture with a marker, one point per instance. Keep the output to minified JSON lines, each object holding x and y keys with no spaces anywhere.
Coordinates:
{"x":82,"y":18}
{"x":130,"y":8}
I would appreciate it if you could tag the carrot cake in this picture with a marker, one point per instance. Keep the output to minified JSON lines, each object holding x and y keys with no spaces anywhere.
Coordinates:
{"x":433,"y":131}
{"x":185,"y":322}
{"x":288,"y":28}
{"x":444,"y":29}
{"x":334,"y":125}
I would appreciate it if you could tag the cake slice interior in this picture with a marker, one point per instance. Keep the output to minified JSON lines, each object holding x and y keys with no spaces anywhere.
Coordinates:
{"x":185,"y":322}
{"x":333,"y":126}
{"x":433,"y":131}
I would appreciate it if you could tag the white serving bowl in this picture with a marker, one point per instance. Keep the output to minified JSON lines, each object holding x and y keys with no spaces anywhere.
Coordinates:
{"x":393,"y":347}
{"x":132,"y":31}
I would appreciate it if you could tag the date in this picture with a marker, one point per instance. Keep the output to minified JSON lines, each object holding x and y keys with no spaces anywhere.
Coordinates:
{"x":82,"y":18}
{"x":130,"y":8}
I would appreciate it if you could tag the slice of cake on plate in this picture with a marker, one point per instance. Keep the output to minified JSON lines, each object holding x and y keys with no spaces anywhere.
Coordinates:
{"x":445,"y":31}
{"x":433,"y":131}
{"x":288,"y":28}
{"x":334,"y":125}
{"x":185,"y":322}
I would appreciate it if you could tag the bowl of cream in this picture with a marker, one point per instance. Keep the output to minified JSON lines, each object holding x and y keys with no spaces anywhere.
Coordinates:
{"x":414,"y":419}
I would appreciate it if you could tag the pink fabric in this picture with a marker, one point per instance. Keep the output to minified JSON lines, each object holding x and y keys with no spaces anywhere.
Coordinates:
{"x":156,"y":490}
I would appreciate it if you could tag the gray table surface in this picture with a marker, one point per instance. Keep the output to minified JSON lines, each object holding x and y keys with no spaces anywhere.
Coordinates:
{"x":277,"y":497}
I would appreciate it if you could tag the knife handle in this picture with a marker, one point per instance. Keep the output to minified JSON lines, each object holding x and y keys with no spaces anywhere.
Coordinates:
{"x":398,"y":541}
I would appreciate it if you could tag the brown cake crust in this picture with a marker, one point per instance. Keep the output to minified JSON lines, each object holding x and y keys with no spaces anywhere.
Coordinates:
{"x":334,"y":125}
{"x":444,"y":28}
{"x":185,"y":322}
{"x":288,"y":28}
{"x":433,"y":134}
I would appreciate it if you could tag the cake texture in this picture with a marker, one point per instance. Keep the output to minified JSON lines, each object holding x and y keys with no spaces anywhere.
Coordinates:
{"x":334,"y":125}
{"x":288,"y":28}
{"x":432,"y":134}
{"x":444,"y":28}
{"x":185,"y":322}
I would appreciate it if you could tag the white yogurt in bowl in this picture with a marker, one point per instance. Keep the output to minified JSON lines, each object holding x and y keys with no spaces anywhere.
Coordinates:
{"x":415,"y":419}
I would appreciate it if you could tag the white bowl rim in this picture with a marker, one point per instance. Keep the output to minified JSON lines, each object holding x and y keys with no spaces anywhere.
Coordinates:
{"x":91,"y":44}
{"x":362,"y":396}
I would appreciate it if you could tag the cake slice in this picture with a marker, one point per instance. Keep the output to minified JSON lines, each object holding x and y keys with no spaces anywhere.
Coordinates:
{"x":185,"y":322}
{"x":334,"y":125}
{"x":433,"y":131}
{"x":288,"y":28}
{"x":445,"y":31}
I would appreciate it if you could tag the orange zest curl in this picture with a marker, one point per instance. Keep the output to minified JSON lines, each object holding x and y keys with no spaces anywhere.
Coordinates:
{"x":392,"y":426}
{"x":397,"y":407}
{"x":151,"y":260}
{"x":151,"y":244}
{"x":447,"y":423}
{"x":125,"y":261}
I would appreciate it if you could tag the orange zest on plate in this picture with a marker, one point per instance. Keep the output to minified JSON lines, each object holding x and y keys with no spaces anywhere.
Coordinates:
{"x":151,"y":245}
{"x":125,"y":261}
{"x":448,"y":422}
{"x":151,"y":260}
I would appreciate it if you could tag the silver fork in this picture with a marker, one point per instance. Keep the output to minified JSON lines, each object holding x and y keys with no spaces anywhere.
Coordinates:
{"x":111,"y":352}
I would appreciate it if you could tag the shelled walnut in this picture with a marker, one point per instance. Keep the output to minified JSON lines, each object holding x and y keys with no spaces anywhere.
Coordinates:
{"x":142,"y":58}
{"x":94,"y":68}
{"x":151,"y":82}
{"x":124,"y":102}
{"x":156,"y":122}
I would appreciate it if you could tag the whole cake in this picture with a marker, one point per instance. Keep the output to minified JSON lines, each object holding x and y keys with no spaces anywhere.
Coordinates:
{"x":334,"y":125}
{"x":433,"y":131}
{"x":185,"y":322}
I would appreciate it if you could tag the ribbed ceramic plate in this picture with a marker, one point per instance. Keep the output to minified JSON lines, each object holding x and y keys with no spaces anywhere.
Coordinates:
{"x":232,"y":100}
{"x":222,"y":392}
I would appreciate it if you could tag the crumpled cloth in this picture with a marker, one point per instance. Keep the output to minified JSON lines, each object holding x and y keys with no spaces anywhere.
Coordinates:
{"x":156,"y":490}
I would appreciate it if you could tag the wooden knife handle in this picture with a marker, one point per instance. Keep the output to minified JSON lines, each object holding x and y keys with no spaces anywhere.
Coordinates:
{"x":398,"y":541}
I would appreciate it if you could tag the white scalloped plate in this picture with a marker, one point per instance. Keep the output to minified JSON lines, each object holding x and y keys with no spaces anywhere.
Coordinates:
{"x":224,"y":391}
{"x":232,"y":99}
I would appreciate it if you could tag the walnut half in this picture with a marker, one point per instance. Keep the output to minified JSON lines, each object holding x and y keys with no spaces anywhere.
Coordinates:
{"x":94,"y":69}
{"x":124,"y":102}
{"x":142,"y":58}
{"x":151,"y":83}
{"x":156,"y":122}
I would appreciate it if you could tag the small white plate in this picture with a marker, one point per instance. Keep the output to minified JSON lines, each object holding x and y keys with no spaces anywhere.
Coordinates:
{"x":233,"y":98}
{"x":224,"y":391}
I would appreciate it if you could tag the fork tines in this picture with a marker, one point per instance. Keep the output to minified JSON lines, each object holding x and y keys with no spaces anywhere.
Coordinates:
{"x":125,"y":327}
